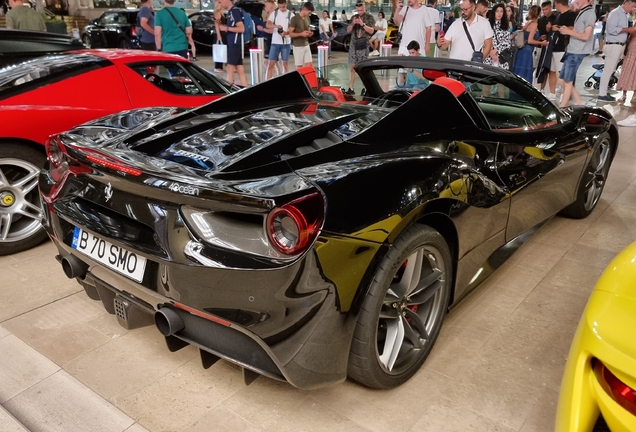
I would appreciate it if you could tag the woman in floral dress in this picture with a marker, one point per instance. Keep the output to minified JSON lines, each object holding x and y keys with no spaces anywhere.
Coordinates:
{"x":501,"y":39}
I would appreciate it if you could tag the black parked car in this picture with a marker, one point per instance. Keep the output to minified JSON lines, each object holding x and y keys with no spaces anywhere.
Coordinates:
{"x":114,"y":29}
{"x":20,"y":45}
{"x":309,"y":239}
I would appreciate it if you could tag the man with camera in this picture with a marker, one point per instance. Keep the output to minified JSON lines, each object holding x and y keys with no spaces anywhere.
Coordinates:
{"x":281,"y":43}
{"x":415,"y":24}
{"x":361,"y":29}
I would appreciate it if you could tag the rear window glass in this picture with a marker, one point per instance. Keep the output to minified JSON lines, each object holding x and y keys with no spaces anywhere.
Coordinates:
{"x":31,"y":74}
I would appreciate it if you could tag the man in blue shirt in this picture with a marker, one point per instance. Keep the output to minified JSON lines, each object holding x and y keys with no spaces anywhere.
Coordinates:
{"x":146,"y":19}
{"x":412,"y":78}
{"x":234,"y":28}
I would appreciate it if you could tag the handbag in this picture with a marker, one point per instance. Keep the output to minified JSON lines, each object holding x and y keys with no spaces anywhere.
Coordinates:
{"x":219,"y":52}
{"x":398,"y":38}
{"x":360,"y":44}
{"x":505,"y":56}
{"x":477,"y":56}
{"x":520,"y":40}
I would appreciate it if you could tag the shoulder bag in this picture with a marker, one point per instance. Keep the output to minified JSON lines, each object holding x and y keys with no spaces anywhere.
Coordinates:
{"x":398,"y":38}
{"x":477,"y":56}
{"x":176,"y":20}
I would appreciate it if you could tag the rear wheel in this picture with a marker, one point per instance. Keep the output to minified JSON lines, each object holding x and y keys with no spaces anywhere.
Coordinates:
{"x":87,"y":41}
{"x":403,"y":311}
{"x":20,"y":206}
{"x":593,"y":180}
{"x":125,"y":44}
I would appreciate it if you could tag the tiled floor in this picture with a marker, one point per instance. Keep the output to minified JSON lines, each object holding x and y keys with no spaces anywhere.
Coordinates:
{"x":66,"y":365}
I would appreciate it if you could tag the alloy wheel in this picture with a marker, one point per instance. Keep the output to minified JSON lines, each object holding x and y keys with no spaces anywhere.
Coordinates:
{"x":412,"y":307}
{"x":597,"y":174}
{"x":20,"y":205}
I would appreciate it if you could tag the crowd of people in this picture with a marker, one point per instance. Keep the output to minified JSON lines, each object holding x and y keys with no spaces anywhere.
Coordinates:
{"x":546,"y":50}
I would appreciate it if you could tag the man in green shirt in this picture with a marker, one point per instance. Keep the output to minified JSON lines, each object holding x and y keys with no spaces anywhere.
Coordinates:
{"x":300,"y":33}
{"x":22,"y":17}
{"x":172,"y":28}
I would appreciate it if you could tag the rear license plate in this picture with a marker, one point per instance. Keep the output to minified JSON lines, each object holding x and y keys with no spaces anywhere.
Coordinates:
{"x":112,"y":256}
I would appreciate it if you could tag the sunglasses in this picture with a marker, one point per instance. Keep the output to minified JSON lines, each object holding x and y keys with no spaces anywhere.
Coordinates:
{"x":466,"y":9}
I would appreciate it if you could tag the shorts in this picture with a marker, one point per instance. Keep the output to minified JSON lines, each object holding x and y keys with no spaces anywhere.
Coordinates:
{"x":281,"y":49}
{"x":302,"y":55}
{"x":379,"y":35}
{"x":556,"y":65}
{"x":234,"y":55}
{"x":571,"y":63}
{"x":431,"y":49}
{"x":356,"y":56}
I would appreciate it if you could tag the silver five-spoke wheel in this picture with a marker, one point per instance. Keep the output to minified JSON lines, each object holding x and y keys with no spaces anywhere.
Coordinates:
{"x":403,"y":310}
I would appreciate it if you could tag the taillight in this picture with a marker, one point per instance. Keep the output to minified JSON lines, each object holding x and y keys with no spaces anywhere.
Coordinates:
{"x":111,"y":163}
{"x":133,"y":31}
{"x":624,"y":395}
{"x":54,"y":152}
{"x":292,"y":227}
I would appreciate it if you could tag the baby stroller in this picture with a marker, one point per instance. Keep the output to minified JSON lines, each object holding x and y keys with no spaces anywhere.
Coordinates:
{"x":595,"y":79}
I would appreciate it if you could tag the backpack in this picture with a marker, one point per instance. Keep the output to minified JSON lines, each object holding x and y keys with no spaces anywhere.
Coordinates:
{"x":250,"y":28}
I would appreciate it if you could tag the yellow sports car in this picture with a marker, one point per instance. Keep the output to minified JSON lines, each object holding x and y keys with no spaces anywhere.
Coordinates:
{"x":599,"y":381}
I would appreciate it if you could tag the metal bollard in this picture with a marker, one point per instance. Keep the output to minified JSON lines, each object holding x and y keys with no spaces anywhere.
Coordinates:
{"x":256,"y":65}
{"x":323,"y":51}
{"x":260,"y":43}
{"x":386,"y":52}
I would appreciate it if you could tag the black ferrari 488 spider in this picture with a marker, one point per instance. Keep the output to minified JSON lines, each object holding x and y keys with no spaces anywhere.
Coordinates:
{"x":306,"y":237}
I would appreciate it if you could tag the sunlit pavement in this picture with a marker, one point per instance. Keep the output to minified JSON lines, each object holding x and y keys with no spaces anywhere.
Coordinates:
{"x":66,"y":365}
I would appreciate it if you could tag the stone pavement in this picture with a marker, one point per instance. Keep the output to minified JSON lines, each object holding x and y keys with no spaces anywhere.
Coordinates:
{"x":66,"y":365}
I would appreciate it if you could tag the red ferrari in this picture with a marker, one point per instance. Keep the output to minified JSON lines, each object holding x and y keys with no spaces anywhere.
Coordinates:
{"x":54,"y":93}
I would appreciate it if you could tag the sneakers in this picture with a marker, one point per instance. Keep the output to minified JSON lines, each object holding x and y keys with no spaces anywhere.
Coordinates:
{"x":552,"y":96}
{"x":628,"y":122}
{"x":607,"y":98}
{"x":374,"y":53}
{"x":350,"y":92}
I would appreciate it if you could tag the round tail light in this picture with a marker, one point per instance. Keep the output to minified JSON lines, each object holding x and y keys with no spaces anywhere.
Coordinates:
{"x":292,"y":227}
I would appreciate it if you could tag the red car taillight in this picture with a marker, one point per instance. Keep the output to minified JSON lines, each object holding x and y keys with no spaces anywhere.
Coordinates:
{"x":133,"y":31}
{"x":624,"y":395}
{"x":54,"y":152}
{"x":292,"y":227}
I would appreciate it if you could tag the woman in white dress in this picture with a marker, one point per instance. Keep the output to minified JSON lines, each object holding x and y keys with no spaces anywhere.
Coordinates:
{"x":377,"y":39}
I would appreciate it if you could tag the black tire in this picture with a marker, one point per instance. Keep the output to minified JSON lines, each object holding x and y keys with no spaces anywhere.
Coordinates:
{"x":588,"y":84}
{"x":86,"y":40}
{"x":399,"y":297}
{"x":593,"y":180}
{"x":596,"y":86}
{"x":20,"y":206}
{"x":346,"y":41}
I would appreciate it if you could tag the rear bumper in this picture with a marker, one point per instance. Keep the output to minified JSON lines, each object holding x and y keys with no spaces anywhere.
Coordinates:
{"x":314,"y":354}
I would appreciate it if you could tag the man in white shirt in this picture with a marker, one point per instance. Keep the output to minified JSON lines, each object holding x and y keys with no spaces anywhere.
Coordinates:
{"x":435,"y":19}
{"x":456,"y":37}
{"x":281,"y":42}
{"x":414,"y":23}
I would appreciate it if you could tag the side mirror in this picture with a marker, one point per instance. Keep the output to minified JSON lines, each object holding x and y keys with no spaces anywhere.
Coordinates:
{"x":592,"y":124}
{"x":94,"y":22}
